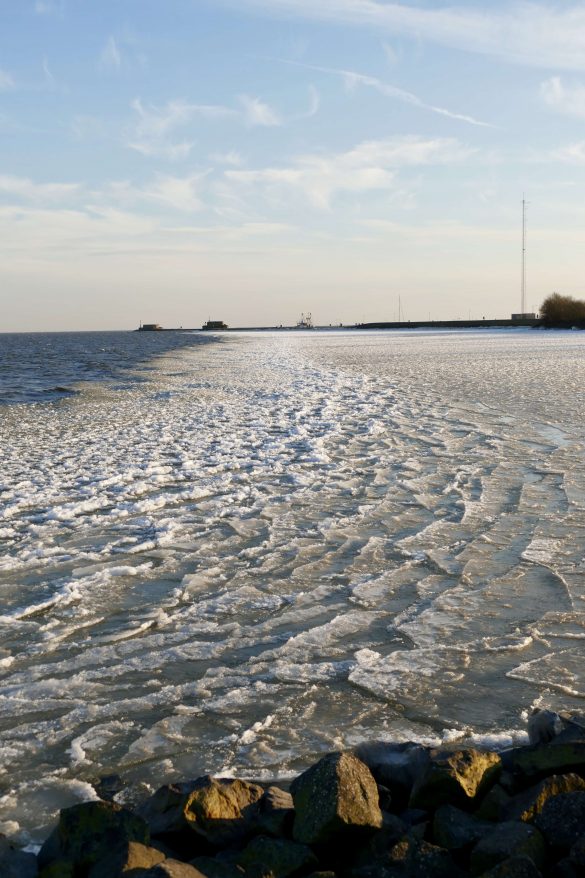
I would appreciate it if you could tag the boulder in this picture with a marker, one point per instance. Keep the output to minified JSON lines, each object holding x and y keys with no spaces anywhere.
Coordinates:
{"x":419,"y":859}
{"x":220,"y":812}
{"x":531,"y":764}
{"x":213,"y":867}
{"x":455,"y":777}
{"x":577,"y":852}
{"x":374,"y":852}
{"x":543,"y":726}
{"x":223,"y":811}
{"x":515,"y":867}
{"x":562,"y":819}
{"x":127,"y":856}
{"x":87,"y":833}
{"x":394,"y":766}
{"x":266,"y":857}
{"x":335,"y":799}
{"x":58,"y":869}
{"x":454,"y":829}
{"x":493,"y":804}
{"x":275,"y":813}
{"x":526,"y":805}
{"x":169,"y":869}
{"x":506,"y":840}
{"x":15,"y":863}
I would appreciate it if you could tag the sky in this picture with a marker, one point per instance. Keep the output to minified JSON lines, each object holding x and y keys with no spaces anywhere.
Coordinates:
{"x":172,"y":161}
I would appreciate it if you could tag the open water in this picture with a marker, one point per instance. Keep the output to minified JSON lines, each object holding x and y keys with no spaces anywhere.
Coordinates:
{"x":277,"y":544}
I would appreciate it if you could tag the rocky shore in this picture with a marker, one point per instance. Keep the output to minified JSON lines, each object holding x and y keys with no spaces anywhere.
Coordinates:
{"x":382,"y":811}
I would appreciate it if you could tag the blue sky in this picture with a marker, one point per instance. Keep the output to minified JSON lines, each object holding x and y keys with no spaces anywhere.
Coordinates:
{"x":246,"y":160}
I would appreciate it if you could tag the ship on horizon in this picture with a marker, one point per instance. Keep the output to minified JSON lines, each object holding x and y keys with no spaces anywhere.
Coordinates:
{"x":306,"y":321}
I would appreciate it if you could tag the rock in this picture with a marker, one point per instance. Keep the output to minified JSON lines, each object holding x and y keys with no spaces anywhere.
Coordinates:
{"x":558,"y":757}
{"x":130,"y":855}
{"x":275,"y":813}
{"x":525,"y":806}
{"x":221,"y":812}
{"x":169,"y":869}
{"x":419,"y":859}
{"x":565,"y":869}
{"x":394,"y":766}
{"x":107,"y":786}
{"x":335,"y":799}
{"x":86,"y":833}
{"x":562,"y":819}
{"x":58,"y":869}
{"x":375,"y":850}
{"x":577,"y":852}
{"x":15,"y":863}
{"x":454,"y":829}
{"x":266,"y":857}
{"x":515,"y":867}
{"x":164,"y":810}
{"x":493,"y":804}
{"x":506,"y":840}
{"x":543,"y":726}
{"x":213,"y":867}
{"x":455,"y":777}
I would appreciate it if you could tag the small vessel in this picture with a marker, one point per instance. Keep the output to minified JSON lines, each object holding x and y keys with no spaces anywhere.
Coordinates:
{"x":306,"y":321}
{"x":214,"y":324}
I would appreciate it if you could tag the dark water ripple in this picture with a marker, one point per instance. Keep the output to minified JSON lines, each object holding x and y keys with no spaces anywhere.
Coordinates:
{"x":44,"y":366}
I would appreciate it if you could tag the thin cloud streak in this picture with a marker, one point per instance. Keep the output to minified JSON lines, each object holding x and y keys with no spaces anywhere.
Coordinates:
{"x":352,"y":79}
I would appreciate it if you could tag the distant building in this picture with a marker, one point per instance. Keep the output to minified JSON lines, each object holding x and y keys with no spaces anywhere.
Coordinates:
{"x":215,"y":324}
{"x":526,"y":316}
{"x":150,"y":327}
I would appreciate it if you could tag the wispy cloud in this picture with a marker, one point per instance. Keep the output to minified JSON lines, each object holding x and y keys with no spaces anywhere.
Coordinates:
{"x":369,"y":166}
{"x":7,"y":82}
{"x":256,"y":112}
{"x":537,"y":34}
{"x":152,"y":132}
{"x":50,"y":7}
{"x":27,"y":189}
{"x":353,"y":79}
{"x":111,"y":55}
{"x":232,"y":158}
{"x":574,"y":153}
{"x":569,"y":100}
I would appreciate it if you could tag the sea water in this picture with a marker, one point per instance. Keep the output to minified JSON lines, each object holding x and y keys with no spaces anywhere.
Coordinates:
{"x":278,"y":544}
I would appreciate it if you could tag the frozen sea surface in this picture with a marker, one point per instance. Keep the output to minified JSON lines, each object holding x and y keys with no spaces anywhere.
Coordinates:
{"x":280,"y":544}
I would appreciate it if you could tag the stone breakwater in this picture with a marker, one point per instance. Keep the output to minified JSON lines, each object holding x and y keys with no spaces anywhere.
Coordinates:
{"x":383,"y":811}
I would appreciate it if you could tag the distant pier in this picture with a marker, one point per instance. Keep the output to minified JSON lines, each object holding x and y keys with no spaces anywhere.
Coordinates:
{"x":478,"y":323}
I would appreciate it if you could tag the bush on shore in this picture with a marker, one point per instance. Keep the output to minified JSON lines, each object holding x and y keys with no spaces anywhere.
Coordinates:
{"x":557,"y":309}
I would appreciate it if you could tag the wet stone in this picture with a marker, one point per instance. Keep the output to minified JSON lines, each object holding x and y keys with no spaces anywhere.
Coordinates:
{"x":454,"y":829}
{"x":507,"y":840}
{"x":562,"y":819}
{"x":86,"y":833}
{"x":267,"y":857}
{"x":131,"y":855}
{"x":515,"y":867}
{"x":455,"y":777}
{"x":335,"y":798}
{"x":15,"y":863}
{"x":527,"y":805}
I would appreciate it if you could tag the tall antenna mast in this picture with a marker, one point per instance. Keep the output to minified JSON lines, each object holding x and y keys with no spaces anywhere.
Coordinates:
{"x":523,"y":284}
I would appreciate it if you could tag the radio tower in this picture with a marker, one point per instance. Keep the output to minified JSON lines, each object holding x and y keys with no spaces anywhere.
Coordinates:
{"x":523,"y":283}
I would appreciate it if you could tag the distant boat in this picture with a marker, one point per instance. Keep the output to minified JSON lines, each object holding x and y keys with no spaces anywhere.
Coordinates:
{"x":214,"y":324}
{"x":149,"y":327}
{"x":306,"y":321}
